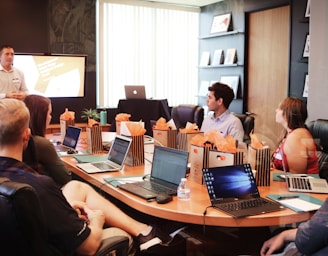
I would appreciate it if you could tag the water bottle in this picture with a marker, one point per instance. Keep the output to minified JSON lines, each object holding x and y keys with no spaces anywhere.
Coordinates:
{"x":183,"y":190}
{"x":103,"y":117}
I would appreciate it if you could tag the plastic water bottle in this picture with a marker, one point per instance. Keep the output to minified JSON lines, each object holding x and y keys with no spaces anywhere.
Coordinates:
{"x":183,"y":191}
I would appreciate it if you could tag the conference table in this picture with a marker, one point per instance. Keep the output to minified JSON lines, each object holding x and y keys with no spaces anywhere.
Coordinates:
{"x":190,"y":211}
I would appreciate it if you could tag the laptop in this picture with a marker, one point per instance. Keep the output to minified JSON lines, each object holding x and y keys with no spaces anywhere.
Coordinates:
{"x":135,"y":92}
{"x":115,"y":158}
{"x":233,"y":190}
{"x":168,"y":167}
{"x":304,"y":183}
{"x":71,"y":139}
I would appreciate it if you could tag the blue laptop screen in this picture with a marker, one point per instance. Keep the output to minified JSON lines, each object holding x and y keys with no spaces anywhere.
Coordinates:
{"x":72,"y":136}
{"x":226,"y":182}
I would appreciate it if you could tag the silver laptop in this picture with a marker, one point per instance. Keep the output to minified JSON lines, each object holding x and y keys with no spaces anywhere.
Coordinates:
{"x":71,"y":139}
{"x":168,"y":167}
{"x":115,"y":159}
{"x":135,"y":92}
{"x":233,"y":190}
{"x":304,"y":183}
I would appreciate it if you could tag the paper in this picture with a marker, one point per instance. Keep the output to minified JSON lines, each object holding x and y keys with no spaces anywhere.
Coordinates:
{"x":300,"y":204}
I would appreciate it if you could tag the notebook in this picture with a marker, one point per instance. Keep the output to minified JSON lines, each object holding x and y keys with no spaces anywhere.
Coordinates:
{"x":135,"y":92}
{"x":115,"y":158}
{"x":168,"y":167}
{"x":233,"y":190}
{"x":71,"y":139}
{"x":304,"y":183}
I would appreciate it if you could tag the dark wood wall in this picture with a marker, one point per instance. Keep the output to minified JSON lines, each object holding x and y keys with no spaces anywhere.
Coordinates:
{"x":67,"y":26}
{"x":54,"y":26}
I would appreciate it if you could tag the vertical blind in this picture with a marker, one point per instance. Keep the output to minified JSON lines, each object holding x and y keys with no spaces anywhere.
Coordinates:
{"x":145,"y":45}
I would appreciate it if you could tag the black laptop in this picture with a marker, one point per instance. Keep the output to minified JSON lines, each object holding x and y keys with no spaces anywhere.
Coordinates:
{"x":71,"y":139}
{"x":233,"y":190}
{"x":168,"y":167}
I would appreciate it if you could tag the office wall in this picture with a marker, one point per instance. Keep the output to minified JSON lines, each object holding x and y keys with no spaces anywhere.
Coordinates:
{"x":299,"y":28}
{"x":54,"y":26}
{"x":318,"y":61}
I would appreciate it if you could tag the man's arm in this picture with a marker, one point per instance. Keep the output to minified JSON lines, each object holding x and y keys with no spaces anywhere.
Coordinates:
{"x":96,"y":220}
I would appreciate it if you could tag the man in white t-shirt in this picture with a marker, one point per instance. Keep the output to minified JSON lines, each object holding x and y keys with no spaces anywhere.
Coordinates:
{"x":12,"y":81}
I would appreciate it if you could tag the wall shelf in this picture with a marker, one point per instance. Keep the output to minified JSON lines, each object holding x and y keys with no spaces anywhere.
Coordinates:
{"x":223,"y":66}
{"x":221,"y":34}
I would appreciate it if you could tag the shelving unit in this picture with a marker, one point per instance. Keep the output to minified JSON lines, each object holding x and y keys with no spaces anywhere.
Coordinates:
{"x":211,"y":73}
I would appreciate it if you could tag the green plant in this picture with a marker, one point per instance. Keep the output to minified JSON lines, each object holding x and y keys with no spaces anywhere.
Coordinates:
{"x":90,"y":113}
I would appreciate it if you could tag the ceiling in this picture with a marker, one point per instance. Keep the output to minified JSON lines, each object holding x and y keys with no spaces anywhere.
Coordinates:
{"x":197,"y":3}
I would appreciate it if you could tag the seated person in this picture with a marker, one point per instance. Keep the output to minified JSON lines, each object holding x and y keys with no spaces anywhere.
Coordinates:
{"x":221,"y":119}
{"x":46,"y":161}
{"x":296,"y":152}
{"x":310,"y":238}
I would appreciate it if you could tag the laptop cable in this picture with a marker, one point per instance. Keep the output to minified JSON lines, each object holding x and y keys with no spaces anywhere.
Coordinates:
{"x":204,"y":214}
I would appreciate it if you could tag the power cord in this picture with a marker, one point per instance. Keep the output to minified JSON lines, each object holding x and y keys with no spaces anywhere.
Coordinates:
{"x":204,"y":214}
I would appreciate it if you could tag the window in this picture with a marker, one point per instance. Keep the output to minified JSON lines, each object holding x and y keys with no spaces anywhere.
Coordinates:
{"x":147,"y":44}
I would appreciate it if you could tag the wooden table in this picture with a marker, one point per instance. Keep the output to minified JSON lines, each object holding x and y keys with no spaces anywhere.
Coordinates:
{"x":191,"y":211}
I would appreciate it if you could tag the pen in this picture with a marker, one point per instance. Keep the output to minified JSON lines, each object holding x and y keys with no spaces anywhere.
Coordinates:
{"x":286,"y":197}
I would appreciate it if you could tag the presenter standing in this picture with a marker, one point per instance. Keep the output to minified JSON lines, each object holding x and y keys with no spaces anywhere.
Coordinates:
{"x":12,"y":81}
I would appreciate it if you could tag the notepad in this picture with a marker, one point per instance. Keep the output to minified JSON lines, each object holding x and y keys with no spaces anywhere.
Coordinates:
{"x":303,"y":202}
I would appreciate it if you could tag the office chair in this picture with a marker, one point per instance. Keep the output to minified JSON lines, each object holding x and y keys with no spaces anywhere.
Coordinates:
{"x":184,"y":113}
{"x":22,"y":225}
{"x":248,"y":122}
{"x":319,"y":130}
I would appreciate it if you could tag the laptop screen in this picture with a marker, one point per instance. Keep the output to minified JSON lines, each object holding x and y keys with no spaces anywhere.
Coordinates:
{"x":227,"y":182}
{"x":135,"y":91}
{"x":169,"y":165}
{"x":119,"y":149}
{"x":72,"y":136}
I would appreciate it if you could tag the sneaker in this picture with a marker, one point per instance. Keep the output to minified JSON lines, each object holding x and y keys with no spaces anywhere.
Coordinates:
{"x":155,"y":237}
{"x":176,"y":246}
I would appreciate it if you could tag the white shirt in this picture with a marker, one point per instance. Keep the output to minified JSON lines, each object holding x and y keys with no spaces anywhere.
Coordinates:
{"x":11,"y":81}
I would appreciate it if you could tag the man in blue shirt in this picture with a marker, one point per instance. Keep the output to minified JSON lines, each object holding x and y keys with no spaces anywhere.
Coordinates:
{"x":221,"y":119}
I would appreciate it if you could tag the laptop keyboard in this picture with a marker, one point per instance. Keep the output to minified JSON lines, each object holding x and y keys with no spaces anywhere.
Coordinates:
{"x":156,"y":188}
{"x":299,"y":183}
{"x":241,"y":205}
{"x":103,"y":166}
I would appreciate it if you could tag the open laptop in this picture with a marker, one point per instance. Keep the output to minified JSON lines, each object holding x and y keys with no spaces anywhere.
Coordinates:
{"x":71,"y":139}
{"x":115,"y":158}
{"x":233,"y":190}
{"x":135,"y":92}
{"x":304,"y":183}
{"x":168,"y":167}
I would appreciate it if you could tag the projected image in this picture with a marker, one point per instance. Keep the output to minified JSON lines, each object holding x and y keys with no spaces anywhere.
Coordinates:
{"x":53,"y":76}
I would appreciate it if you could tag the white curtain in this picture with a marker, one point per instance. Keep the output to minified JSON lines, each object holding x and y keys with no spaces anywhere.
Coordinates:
{"x":146,"y":44}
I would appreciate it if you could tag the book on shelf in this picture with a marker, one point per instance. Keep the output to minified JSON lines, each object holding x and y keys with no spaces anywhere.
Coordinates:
{"x":205,"y":59}
{"x":218,"y":57}
{"x":203,"y":89}
{"x":232,"y":81}
{"x":231,"y":56}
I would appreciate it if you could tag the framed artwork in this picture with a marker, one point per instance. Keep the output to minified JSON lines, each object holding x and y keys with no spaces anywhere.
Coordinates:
{"x":232,"y":81}
{"x":307,"y":11}
{"x":306,"y":50}
{"x":306,"y":86}
{"x":231,"y":56}
{"x":221,"y":23}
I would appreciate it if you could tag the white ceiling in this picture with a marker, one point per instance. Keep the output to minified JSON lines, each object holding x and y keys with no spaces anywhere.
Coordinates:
{"x":198,"y":3}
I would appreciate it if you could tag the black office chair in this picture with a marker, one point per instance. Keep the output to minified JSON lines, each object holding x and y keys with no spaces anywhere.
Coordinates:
{"x":248,"y":122}
{"x":184,"y":113}
{"x":22,"y":225}
{"x":319,"y":130}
